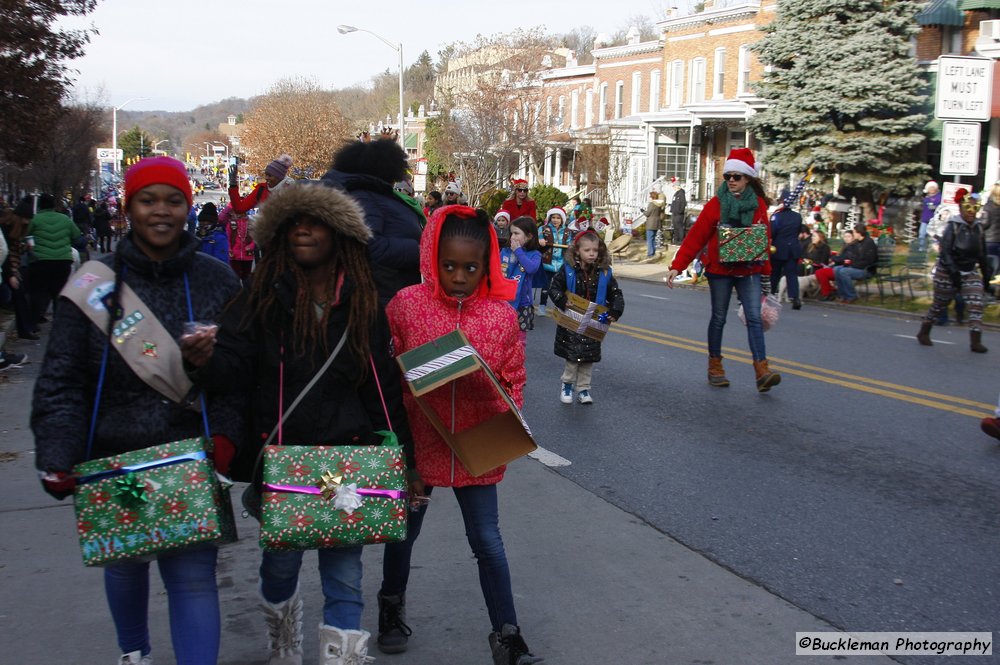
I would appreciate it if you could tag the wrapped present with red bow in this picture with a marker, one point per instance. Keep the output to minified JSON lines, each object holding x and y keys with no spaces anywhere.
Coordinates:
{"x":151,"y":501}
{"x":333,"y":496}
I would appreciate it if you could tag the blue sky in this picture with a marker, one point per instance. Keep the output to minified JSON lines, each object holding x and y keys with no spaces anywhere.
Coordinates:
{"x":184,"y":53}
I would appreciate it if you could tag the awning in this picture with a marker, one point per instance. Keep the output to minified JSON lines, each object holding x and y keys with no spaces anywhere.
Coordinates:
{"x":966,"y":5}
{"x":941,"y":12}
{"x":410,"y":142}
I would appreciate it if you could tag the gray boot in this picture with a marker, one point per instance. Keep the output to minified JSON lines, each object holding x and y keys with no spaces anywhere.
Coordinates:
{"x":338,"y":646}
{"x":508,"y":647}
{"x":284,"y":630}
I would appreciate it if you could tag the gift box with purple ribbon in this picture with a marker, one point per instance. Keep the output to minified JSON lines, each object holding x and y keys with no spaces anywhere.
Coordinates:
{"x":747,"y":244}
{"x":332,"y":496}
{"x":150,"y":501}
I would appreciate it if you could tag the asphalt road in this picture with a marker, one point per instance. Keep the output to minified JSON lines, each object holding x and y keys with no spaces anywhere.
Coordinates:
{"x":860,"y":489}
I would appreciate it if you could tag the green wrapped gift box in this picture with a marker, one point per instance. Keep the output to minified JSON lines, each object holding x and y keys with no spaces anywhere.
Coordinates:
{"x":742,"y":245}
{"x":150,"y":501}
{"x":333,"y":496}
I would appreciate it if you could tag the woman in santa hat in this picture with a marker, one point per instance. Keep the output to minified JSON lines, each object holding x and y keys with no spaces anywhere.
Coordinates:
{"x":739,"y":202}
{"x":519,"y":205}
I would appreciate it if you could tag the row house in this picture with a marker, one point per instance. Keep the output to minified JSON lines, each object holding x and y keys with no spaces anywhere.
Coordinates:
{"x":666,"y":108}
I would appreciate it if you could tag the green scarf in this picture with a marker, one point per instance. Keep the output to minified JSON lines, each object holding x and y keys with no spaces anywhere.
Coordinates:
{"x":736,"y":211}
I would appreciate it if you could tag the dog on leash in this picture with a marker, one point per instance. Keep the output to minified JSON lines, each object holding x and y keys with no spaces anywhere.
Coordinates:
{"x":808,"y":288}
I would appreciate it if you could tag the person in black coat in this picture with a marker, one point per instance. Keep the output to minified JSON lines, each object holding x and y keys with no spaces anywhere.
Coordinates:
{"x":786,"y":251}
{"x":678,"y":206}
{"x":367,"y":171}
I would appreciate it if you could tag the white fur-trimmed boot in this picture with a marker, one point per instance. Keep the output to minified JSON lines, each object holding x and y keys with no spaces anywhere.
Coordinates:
{"x":135,"y":658}
{"x":343,"y":647}
{"x":284,"y":630}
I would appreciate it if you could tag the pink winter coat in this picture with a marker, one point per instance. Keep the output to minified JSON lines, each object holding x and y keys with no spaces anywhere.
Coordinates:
{"x":421,"y":313}
{"x":241,"y":245}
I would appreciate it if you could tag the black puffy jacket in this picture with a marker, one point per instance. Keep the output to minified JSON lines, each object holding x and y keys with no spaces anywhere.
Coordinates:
{"x":570,"y":345}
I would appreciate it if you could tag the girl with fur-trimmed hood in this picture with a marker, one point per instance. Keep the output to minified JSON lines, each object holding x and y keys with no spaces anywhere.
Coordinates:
{"x":586,"y":271}
{"x":313,"y":283}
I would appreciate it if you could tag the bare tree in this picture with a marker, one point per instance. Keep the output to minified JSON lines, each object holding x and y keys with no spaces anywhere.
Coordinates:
{"x":496,"y":119}
{"x":299,"y":118}
{"x":64,"y":163}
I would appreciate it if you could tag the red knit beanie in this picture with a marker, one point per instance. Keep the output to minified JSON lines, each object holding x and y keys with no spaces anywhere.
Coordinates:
{"x":157,"y":171}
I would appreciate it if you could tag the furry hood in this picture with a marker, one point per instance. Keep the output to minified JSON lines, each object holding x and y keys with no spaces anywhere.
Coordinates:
{"x":332,"y":206}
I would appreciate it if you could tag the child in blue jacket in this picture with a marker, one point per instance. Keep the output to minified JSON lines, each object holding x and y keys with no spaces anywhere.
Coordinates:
{"x":520,"y":262}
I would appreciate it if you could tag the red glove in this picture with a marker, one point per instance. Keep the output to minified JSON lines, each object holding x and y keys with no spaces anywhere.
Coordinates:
{"x":59,"y":484}
{"x":225,"y":450}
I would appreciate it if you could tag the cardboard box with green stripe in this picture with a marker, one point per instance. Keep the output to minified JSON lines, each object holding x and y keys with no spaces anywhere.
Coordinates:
{"x":493,"y":442}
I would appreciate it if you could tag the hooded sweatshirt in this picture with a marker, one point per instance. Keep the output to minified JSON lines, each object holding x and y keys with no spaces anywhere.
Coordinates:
{"x":421,"y":313}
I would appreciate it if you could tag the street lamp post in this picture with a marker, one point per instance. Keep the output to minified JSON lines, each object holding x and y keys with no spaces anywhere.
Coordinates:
{"x":156,"y":143}
{"x":114,"y":129}
{"x":344,"y":29}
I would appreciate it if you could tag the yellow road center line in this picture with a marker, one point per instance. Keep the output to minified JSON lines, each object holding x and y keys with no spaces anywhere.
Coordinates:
{"x":934,"y":400}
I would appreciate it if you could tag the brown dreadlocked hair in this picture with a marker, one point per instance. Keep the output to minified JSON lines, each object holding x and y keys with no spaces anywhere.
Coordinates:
{"x":350,"y":257}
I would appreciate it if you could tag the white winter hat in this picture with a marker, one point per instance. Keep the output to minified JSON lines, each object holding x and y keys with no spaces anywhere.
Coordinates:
{"x":556,"y":211}
{"x":453,"y":187}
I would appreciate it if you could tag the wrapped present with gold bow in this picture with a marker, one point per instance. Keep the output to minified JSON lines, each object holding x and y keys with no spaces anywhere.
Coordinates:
{"x":583,"y":317}
{"x":745,"y":244}
{"x":333,"y":496}
{"x":151,"y":501}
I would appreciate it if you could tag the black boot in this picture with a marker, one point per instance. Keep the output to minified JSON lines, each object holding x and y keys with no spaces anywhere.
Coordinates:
{"x":976,"y":341}
{"x":796,"y":303}
{"x":393,"y":633}
{"x":924,"y":336}
{"x":508,"y":647}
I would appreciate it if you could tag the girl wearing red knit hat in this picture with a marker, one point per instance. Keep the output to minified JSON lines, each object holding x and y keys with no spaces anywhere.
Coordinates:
{"x":158,"y":272}
{"x":739,"y":203}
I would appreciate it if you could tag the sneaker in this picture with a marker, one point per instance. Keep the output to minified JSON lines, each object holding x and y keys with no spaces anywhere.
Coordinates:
{"x":566,"y":396}
{"x":584,"y":397}
{"x":135,"y":658}
{"x":508,"y":647}
{"x":8,"y":360}
{"x":541,"y":311}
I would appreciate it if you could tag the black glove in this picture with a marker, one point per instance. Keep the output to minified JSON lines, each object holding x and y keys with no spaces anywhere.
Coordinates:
{"x":233,"y":177}
{"x":58,"y":484}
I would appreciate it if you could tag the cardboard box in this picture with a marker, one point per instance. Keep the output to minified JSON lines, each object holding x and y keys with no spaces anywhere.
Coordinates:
{"x":492,"y":443}
{"x":583,"y":317}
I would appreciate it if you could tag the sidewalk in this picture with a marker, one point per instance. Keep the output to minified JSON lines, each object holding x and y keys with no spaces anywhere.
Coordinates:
{"x":594,"y":585}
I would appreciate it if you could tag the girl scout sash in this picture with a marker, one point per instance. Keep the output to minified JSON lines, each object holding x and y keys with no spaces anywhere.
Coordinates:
{"x":139,"y":338}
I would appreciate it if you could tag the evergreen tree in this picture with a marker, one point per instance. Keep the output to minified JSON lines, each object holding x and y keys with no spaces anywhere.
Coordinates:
{"x":844,"y":93}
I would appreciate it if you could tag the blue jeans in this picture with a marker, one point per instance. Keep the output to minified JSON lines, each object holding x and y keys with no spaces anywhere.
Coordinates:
{"x":922,"y":236}
{"x":845,"y":276}
{"x":478,"y":504}
{"x":789,"y":269}
{"x":650,"y":242}
{"x":748,"y":291}
{"x":340,"y":577}
{"x":189,"y":577}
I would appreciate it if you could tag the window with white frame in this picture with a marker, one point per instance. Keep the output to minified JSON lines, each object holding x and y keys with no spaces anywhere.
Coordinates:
{"x":696,"y":93}
{"x":743,"y":72}
{"x":619,"y":98}
{"x":719,"y":74}
{"x":548,"y":112}
{"x":588,"y":111}
{"x":654,"y":90}
{"x":676,"y":83}
{"x":636,"y":91}
{"x":574,"y":108}
{"x":562,"y":112}
{"x":602,"y":110}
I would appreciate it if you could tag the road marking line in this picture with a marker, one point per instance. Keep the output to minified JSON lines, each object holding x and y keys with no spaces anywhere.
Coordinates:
{"x":936,"y":341}
{"x":852,"y":381}
{"x":645,"y":295}
{"x":548,"y":458}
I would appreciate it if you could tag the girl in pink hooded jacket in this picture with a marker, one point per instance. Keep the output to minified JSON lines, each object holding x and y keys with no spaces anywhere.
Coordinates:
{"x":463,"y":288}
{"x":241,"y":244}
